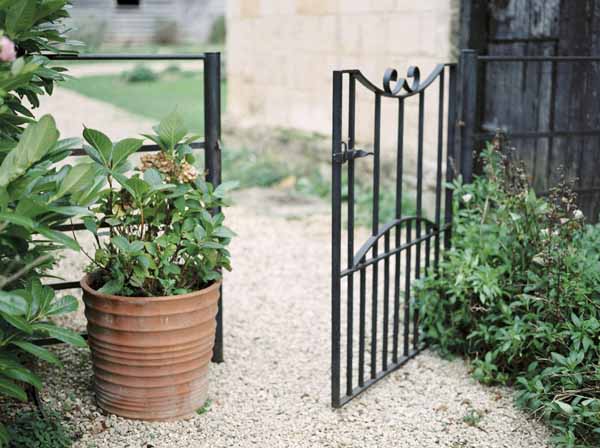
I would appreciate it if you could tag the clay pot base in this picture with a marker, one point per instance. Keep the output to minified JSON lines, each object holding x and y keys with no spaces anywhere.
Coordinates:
{"x":151,"y":354}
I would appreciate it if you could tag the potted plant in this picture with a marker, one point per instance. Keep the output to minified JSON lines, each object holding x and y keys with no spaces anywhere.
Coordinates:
{"x":153,"y":284}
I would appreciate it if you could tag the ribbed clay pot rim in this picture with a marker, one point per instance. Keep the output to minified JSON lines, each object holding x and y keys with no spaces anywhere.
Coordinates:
{"x":144,"y":299}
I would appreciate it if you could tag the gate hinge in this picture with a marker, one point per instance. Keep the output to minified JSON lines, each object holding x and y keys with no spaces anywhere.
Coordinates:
{"x":346,"y":154}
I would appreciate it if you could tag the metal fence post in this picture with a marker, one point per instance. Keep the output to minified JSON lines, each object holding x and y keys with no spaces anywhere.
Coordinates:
{"x":468,"y":111}
{"x":336,"y":236}
{"x":212,"y":156}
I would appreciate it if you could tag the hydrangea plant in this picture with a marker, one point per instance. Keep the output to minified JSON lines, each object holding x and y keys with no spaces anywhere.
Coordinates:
{"x":165,"y":230}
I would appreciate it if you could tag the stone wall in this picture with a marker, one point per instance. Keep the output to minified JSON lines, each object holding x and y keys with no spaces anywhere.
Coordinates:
{"x":281,"y":54}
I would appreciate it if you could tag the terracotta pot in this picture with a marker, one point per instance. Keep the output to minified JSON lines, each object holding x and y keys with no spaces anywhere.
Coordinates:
{"x":151,"y":354}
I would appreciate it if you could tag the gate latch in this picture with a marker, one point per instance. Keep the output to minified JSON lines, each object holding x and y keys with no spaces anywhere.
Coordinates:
{"x":346,"y":154}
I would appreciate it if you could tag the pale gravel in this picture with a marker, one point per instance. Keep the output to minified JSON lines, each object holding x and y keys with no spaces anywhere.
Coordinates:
{"x":274,"y":388}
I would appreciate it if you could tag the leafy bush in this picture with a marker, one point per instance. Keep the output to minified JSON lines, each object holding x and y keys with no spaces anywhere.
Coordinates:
{"x":218,"y":31}
{"x":32,"y":430}
{"x":163,"y":240}
{"x":34,"y":197}
{"x":35,"y":26}
{"x":140,"y":73}
{"x":519,"y":293}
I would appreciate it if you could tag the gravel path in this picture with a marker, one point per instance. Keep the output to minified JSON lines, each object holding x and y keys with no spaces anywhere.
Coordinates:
{"x":273,"y":389}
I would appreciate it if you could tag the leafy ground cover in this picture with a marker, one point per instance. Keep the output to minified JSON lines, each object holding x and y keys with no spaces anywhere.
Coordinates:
{"x":519,"y":294}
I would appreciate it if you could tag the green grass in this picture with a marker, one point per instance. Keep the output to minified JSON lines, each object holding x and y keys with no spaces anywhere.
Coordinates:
{"x":152,"y":99}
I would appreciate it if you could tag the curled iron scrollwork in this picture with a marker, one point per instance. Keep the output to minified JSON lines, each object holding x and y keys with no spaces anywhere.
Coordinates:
{"x":391,"y":76}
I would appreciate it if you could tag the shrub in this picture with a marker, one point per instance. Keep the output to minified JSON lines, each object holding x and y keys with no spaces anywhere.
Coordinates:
{"x":218,"y":31}
{"x":519,"y":294}
{"x":140,"y":73}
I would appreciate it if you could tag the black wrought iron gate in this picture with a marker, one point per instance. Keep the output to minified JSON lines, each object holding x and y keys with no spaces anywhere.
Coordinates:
{"x":379,"y":332}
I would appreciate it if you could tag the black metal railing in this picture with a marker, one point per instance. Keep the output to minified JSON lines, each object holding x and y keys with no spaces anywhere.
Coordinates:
{"x":393,"y":336}
{"x":210,"y":145}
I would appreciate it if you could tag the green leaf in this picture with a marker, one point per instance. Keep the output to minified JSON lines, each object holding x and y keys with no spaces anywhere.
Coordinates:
{"x":59,"y":237}
{"x":24,"y":375}
{"x":224,"y":232}
{"x":37,"y":351}
{"x":18,"y":322}
{"x":13,"y":304}
{"x":121,"y":243}
{"x":62,"y":334}
{"x":20,"y":17}
{"x":79,"y":177}
{"x":112,"y":287}
{"x":172,"y":129}
{"x":224,"y":188}
{"x":35,"y":143}
{"x":152,"y":177}
{"x":567,"y":408}
{"x":101,"y":143}
{"x":124,"y":148}
{"x":63,"y":305}
{"x":9,"y":388}
{"x":17,"y":219}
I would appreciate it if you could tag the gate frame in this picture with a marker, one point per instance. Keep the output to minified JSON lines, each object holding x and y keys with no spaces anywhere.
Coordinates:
{"x":343,"y":152}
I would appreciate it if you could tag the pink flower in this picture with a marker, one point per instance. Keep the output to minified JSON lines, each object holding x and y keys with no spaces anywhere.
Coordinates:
{"x":7,"y":50}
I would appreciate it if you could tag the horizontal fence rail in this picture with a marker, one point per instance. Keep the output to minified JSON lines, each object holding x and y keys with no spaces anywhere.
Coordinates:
{"x":375,"y":319}
{"x":210,"y":145}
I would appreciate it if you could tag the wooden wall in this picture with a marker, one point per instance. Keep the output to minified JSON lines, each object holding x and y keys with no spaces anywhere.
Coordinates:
{"x":530,"y":97}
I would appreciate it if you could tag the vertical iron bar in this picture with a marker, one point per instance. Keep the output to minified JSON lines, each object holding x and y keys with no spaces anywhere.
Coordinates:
{"x":350,"y":310}
{"x":386,"y":300}
{"x":212,"y":158}
{"x":361,"y":325}
{"x":438,"y":180}
{"x":468,"y":82}
{"x":450,"y":154}
{"x":407,"y":276}
{"x":398,"y":215}
{"x":419,"y":207}
{"x":375,"y":231}
{"x":336,"y":212}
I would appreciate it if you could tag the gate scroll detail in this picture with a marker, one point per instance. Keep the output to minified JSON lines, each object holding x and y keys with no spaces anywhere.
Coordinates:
{"x":379,"y":332}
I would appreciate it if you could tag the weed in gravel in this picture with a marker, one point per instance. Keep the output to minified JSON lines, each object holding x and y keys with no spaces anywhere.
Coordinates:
{"x":31,"y":430}
{"x":205,"y":407}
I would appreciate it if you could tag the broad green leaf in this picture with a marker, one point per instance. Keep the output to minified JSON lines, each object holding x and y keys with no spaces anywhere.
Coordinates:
{"x":59,"y":237}
{"x":172,"y":129}
{"x":35,"y":143}
{"x":225,"y":187}
{"x":13,"y":304}
{"x":567,"y":408}
{"x":80,"y":177}
{"x":121,"y":243}
{"x":152,"y":177}
{"x":20,"y":17}
{"x":37,"y":351}
{"x":63,"y":305}
{"x":18,"y":322}
{"x":100,"y":142}
{"x":224,"y":232}
{"x":23,"y":375}
{"x":124,"y":148}
{"x":62,"y":334}
{"x":111,"y":287}
{"x":9,"y":388}
{"x":17,"y":219}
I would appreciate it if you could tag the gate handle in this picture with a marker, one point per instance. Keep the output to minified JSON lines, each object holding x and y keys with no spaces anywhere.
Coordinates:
{"x":345,"y":155}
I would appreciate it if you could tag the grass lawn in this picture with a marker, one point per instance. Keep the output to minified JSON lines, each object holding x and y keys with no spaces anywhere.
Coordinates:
{"x":153,"y":99}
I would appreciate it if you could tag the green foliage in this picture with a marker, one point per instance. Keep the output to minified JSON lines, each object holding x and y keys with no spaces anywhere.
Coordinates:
{"x":140,"y":73}
{"x":519,"y":293}
{"x":35,"y":26}
{"x":218,"y":31}
{"x":162,"y":240}
{"x":31,"y":430}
